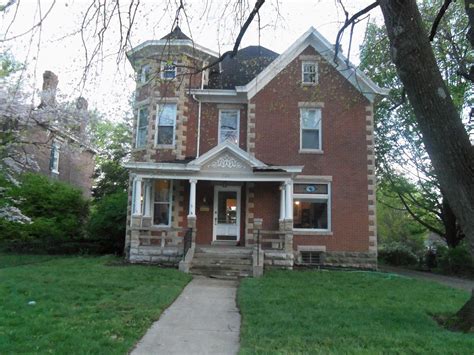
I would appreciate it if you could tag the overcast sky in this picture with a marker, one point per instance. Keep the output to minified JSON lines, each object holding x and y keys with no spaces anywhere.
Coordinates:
{"x":210,"y":23}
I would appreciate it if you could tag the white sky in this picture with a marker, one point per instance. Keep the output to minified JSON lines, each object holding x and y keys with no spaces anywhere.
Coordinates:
{"x":110,"y":85}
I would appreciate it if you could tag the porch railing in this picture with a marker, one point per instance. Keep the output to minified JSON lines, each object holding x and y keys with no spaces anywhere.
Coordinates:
{"x":187,"y":241}
{"x":270,"y":240}
{"x":162,"y":236}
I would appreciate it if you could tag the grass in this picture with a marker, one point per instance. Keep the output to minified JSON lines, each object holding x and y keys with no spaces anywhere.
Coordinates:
{"x":83,"y":304}
{"x":331,"y":312}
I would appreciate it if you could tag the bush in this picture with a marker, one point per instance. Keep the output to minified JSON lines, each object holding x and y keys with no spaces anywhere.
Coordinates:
{"x":397,"y":254}
{"x":57,"y":210}
{"x":108,"y":222}
{"x":455,"y":260}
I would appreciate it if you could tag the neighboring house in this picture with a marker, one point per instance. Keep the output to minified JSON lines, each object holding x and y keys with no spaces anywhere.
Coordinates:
{"x":54,"y":139}
{"x":282,"y":143}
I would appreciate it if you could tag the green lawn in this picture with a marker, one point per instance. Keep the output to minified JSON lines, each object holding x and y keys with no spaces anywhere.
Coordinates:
{"x":331,"y":312}
{"x":83,"y":304}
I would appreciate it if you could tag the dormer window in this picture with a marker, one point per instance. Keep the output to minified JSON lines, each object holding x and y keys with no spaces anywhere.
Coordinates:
{"x":145,"y":74}
{"x":168,"y":70}
{"x":309,"y":73}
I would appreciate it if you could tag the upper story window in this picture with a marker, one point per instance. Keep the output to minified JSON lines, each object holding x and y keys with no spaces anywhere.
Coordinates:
{"x":312,"y":206}
{"x":310,"y":129}
{"x":309,"y":73}
{"x":162,"y":202}
{"x":145,"y":74}
{"x":166,"y":124}
{"x":142,"y":127}
{"x":229,"y":122}
{"x":54,"y":158}
{"x":168,"y":70}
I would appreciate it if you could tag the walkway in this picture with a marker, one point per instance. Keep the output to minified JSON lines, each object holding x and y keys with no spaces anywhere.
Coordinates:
{"x":204,"y":319}
{"x":456,"y":282}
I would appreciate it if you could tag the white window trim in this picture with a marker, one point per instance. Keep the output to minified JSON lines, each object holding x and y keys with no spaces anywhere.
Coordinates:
{"x":311,"y":150}
{"x":138,"y":128}
{"x":327,"y":197}
{"x":170,"y":197}
{"x":143,"y":73}
{"x":316,"y":76}
{"x":238,"y":125}
{"x":157,"y":124}
{"x":56,"y":149}
{"x":162,"y":71}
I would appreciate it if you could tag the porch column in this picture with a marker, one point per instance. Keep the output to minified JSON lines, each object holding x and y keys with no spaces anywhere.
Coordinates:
{"x":289,"y":200}
{"x":192,"y":198}
{"x":137,"y":203}
{"x":282,"y":202}
{"x":147,"y":198}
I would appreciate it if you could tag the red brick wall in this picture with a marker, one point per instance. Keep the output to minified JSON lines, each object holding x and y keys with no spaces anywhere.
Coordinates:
{"x":343,"y":142}
{"x":267,"y":204}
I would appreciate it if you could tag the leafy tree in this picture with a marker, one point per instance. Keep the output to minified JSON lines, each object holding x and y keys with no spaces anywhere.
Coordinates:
{"x":401,"y":154}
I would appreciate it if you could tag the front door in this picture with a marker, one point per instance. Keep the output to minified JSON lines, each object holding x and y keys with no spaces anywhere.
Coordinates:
{"x":226,"y":214}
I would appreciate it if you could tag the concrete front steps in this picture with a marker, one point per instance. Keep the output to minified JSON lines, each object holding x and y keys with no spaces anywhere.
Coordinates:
{"x":224,"y":262}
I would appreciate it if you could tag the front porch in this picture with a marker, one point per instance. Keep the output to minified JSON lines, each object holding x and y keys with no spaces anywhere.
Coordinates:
{"x":225,"y":197}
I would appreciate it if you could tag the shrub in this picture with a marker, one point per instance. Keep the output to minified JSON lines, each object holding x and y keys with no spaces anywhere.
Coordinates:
{"x":108,"y":222}
{"x":57,"y":210}
{"x":456,"y":260}
{"x":397,"y":254}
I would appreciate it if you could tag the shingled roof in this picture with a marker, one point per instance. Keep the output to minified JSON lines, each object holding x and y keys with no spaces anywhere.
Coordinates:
{"x":241,"y":69}
{"x":176,"y":34}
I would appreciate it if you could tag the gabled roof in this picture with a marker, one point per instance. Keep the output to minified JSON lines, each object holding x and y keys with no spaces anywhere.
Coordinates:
{"x":231,"y":148}
{"x":313,"y":38}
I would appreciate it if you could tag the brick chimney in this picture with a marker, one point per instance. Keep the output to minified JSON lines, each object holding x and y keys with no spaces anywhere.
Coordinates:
{"x":50,"y":84}
{"x":82,"y":114}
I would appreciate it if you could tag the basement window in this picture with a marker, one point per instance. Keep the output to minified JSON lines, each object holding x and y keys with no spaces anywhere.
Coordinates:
{"x":311,"y":257}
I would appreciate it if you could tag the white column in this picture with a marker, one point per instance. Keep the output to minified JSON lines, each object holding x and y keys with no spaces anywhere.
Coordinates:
{"x":282,"y":202}
{"x":137,"y":203}
{"x":147,"y":199}
{"x":289,"y":200}
{"x":192,"y":198}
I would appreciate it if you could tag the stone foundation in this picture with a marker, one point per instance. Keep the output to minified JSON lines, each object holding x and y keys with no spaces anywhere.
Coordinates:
{"x":274,"y":259}
{"x":155,"y":255}
{"x":358,"y":260}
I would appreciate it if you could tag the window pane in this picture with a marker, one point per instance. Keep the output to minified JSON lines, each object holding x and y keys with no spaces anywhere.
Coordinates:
{"x":310,"y":118}
{"x":141,"y":139}
{"x":229,"y":120}
{"x":310,"y":139}
{"x":162,"y":191}
{"x":310,"y":214}
{"x":309,"y":68}
{"x":161,"y":213}
{"x":231,"y":136}
{"x":309,"y":77}
{"x":167,"y":114}
{"x":143,"y":117}
{"x":227,"y":207}
{"x":165,"y":135}
{"x":310,"y":188}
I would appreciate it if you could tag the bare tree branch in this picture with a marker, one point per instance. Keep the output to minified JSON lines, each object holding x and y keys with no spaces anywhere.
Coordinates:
{"x":438,"y":18}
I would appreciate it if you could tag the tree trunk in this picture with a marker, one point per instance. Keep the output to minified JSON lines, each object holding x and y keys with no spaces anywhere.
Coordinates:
{"x":452,"y":234}
{"x":444,"y":135}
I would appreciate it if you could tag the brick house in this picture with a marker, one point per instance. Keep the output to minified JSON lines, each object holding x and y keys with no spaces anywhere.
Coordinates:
{"x":266,"y":153}
{"x":55,"y":139}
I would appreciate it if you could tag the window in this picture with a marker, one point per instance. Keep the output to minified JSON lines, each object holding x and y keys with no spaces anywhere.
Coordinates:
{"x":162,"y":203}
{"x":142,"y":127}
{"x":229,"y":126}
{"x":312,"y":207}
{"x":309,"y":73}
{"x":166,"y":123}
{"x":145,"y":74}
{"x":54,"y":158}
{"x":168,"y":70}
{"x":310,"y":129}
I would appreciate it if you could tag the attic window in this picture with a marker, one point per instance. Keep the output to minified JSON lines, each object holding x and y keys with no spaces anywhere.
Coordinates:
{"x":311,"y":257}
{"x":309,"y":73}
{"x":168,"y":70}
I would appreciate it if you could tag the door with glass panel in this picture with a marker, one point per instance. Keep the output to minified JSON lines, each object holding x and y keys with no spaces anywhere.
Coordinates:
{"x":226,"y":214}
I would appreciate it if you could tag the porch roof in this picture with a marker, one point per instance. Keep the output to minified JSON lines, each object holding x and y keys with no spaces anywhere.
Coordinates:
{"x":224,"y":162}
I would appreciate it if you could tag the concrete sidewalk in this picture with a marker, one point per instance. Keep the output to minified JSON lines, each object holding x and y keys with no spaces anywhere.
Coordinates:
{"x":204,"y":319}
